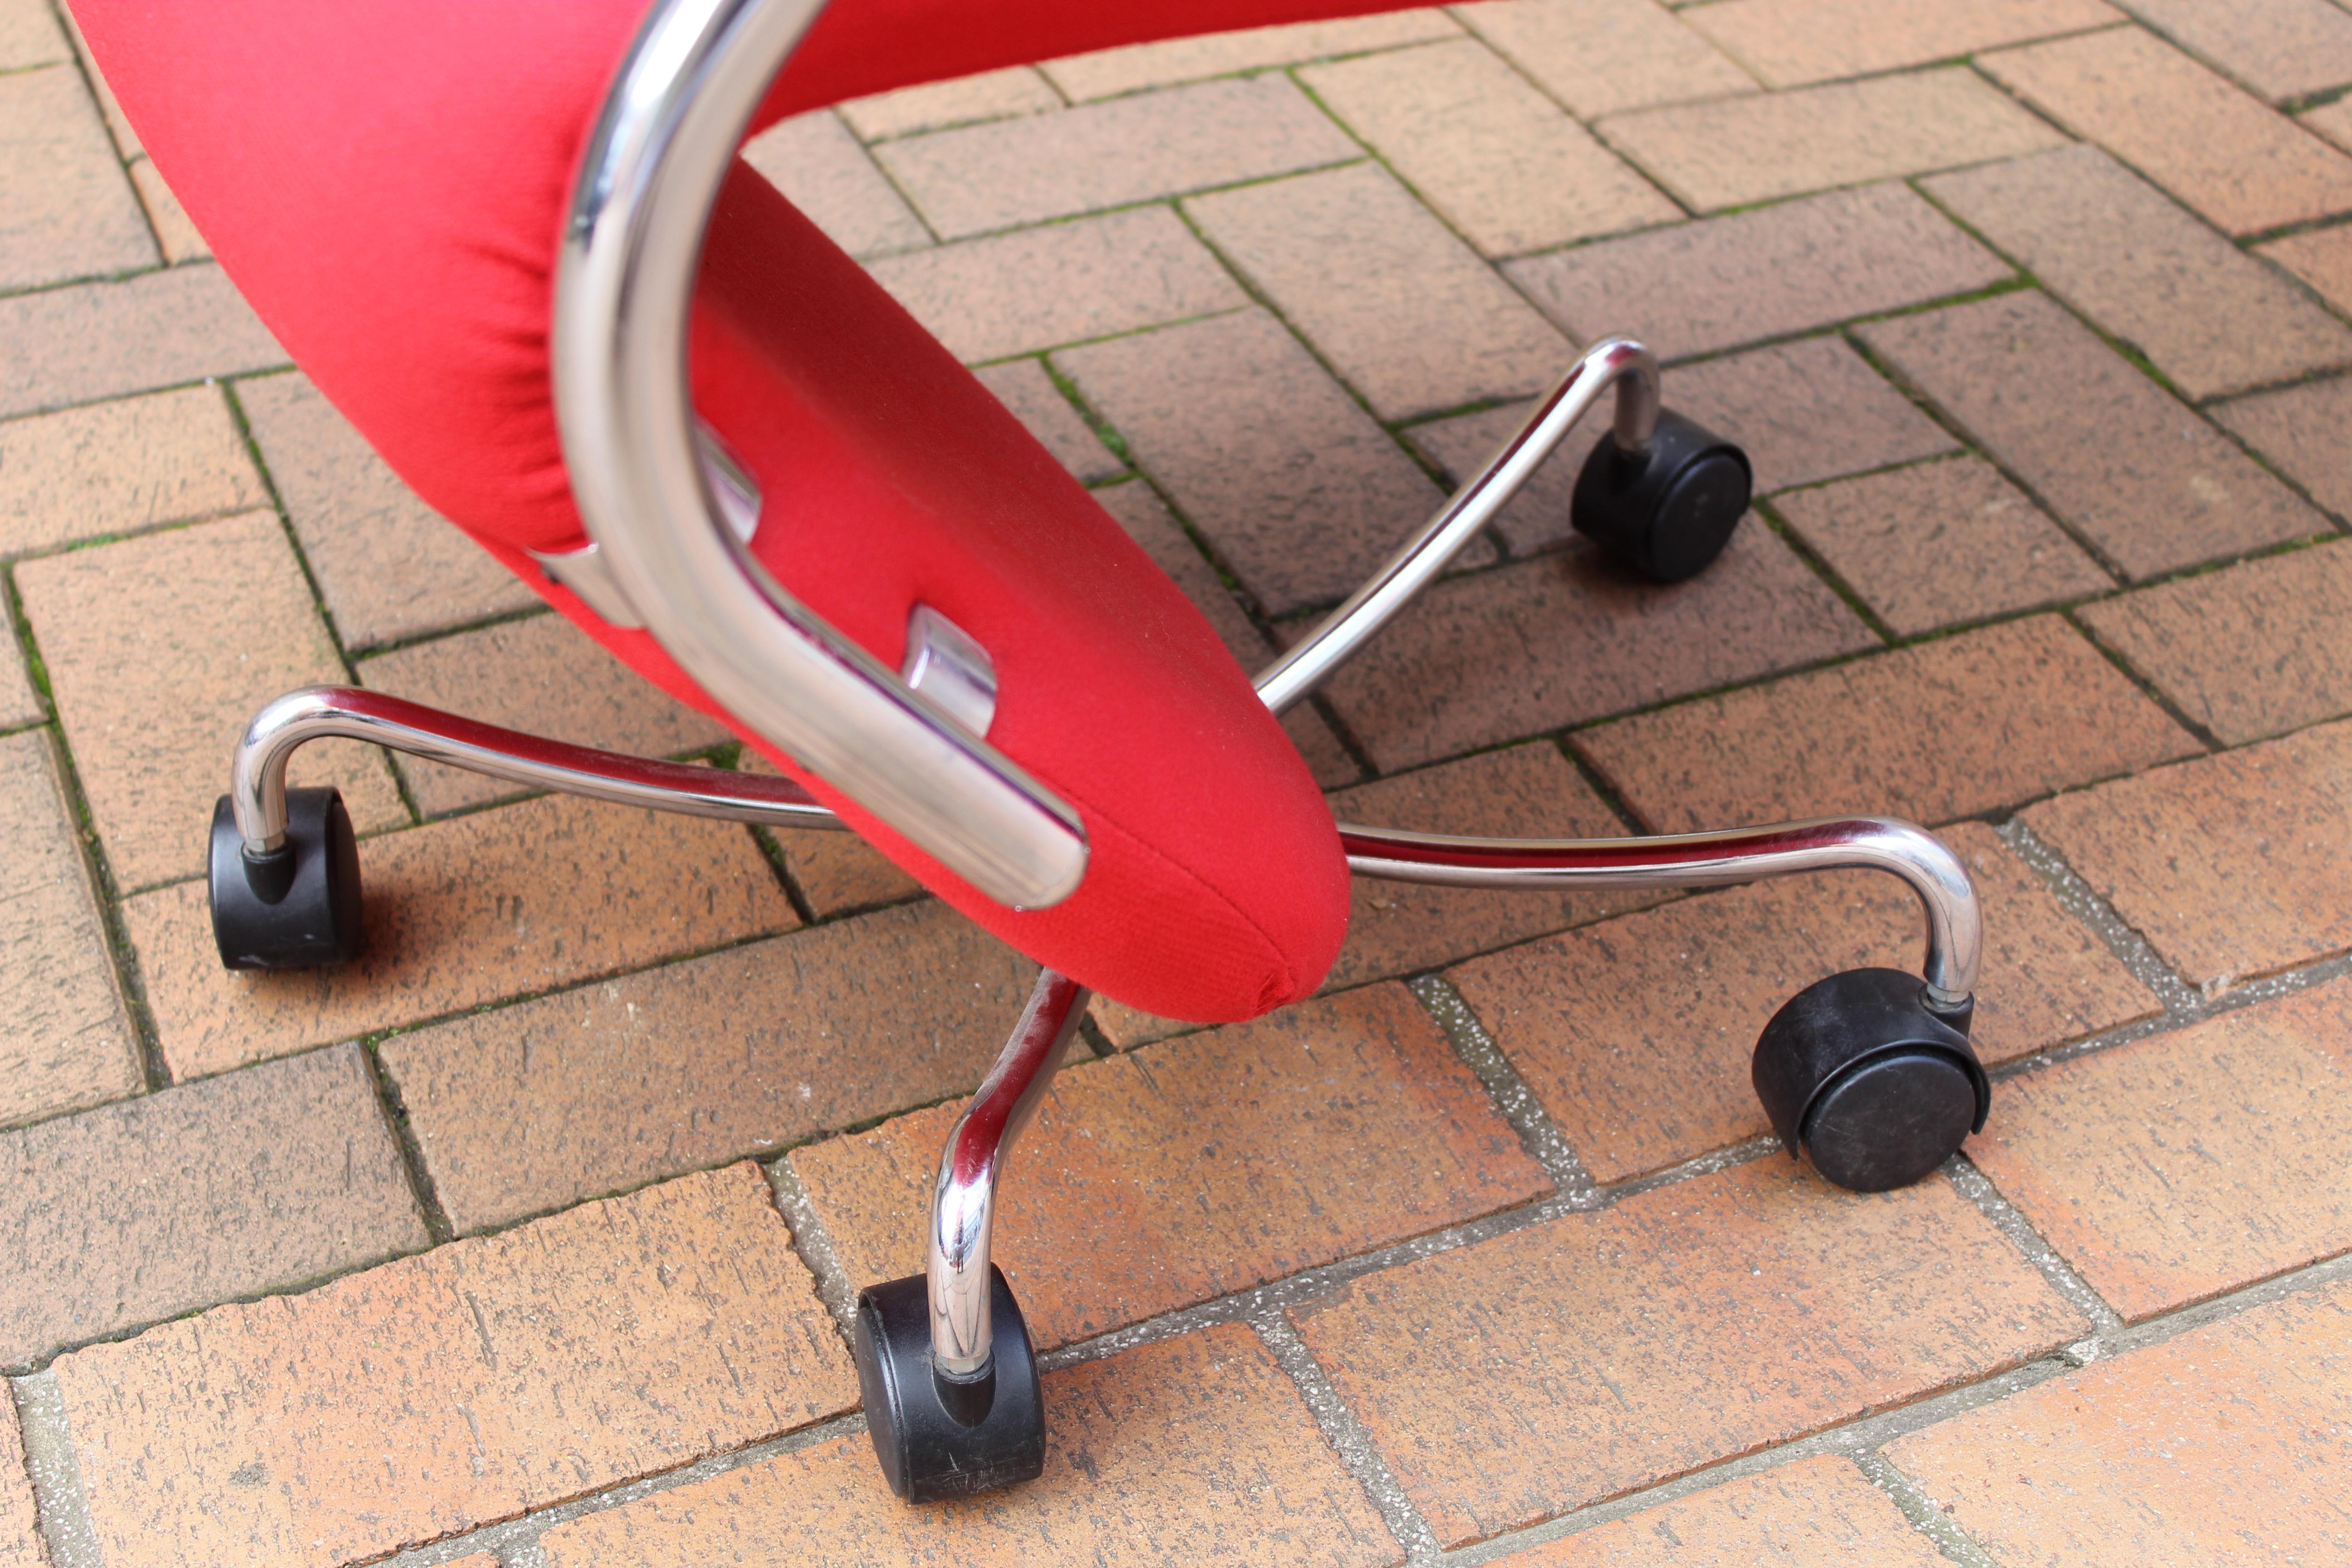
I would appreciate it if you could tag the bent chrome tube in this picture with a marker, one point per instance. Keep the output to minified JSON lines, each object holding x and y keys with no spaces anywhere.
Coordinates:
{"x":1621,"y":362}
{"x":257,"y":777}
{"x":1955,"y":919}
{"x":964,"y":1200}
{"x":662,"y":146}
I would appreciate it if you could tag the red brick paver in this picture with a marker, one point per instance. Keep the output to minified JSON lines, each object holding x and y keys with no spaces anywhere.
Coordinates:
{"x":155,"y":1207}
{"x":446,"y":1391}
{"x":544,"y":1103}
{"x":2223,"y":1445}
{"x":2211,"y":144}
{"x":1635,"y":1034}
{"x":1194,"y":1450}
{"x":1201,"y":1166}
{"x":118,"y":468}
{"x":1109,"y":72}
{"x":1948,"y":728}
{"x":2233,"y":866}
{"x":2154,"y":1168}
{"x":1817,"y":1510}
{"x":1805,"y":412}
{"x":464,"y":912}
{"x":1598,"y":57}
{"x":71,"y":214}
{"x":1791,"y":43}
{"x":817,"y":161}
{"x":2134,"y":471}
{"x":2296,"y":428}
{"x":2281,"y":48}
{"x":1746,"y":1307}
{"x":77,"y":345}
{"x":1722,"y":281}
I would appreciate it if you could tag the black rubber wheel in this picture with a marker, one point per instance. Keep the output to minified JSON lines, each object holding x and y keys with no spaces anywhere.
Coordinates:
{"x":298,"y":909}
{"x":1872,"y":1086}
{"x":1665,"y":515}
{"x":938,"y":1439}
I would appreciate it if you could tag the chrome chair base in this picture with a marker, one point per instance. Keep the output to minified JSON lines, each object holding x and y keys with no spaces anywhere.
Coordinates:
{"x":1871,"y":1070}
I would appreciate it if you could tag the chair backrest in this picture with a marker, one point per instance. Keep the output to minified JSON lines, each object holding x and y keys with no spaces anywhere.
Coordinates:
{"x":386,"y":183}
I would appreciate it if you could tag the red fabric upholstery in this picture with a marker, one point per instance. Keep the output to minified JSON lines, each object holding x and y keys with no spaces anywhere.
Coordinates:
{"x":385,"y":179}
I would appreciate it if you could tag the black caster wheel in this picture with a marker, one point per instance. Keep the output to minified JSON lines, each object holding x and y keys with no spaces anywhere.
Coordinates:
{"x":1668,"y":515}
{"x":939,"y":1438}
{"x":297,"y":909}
{"x":1875,"y":1087}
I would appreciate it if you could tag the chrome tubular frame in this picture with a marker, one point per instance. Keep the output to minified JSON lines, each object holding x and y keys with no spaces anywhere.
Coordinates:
{"x":963,"y":1198}
{"x":668,"y":554}
{"x":661,"y":148}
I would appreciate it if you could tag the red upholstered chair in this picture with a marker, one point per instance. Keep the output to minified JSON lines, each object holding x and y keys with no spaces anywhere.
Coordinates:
{"x":512,"y":240}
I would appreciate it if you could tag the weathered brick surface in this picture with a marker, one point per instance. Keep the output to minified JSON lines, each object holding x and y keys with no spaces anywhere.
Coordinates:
{"x":1405,"y":312}
{"x":65,"y":1039}
{"x":388,"y":565}
{"x":174,"y":230}
{"x":1698,"y":287}
{"x":1538,"y":515}
{"x":965,"y":101}
{"x":2180,"y":1166}
{"x":2281,"y":48}
{"x":1805,"y":412}
{"x":103,"y":340}
{"x":2300,"y":428}
{"x":1741,"y":150}
{"x":543,"y":1103}
{"x":1109,"y":154}
{"x":2211,"y":317}
{"x":2248,"y":651}
{"x":2332,"y":120}
{"x":138,"y":1211}
{"x":1106,"y":72}
{"x":1037,"y":289}
{"x":1199,"y":1166}
{"x":1521,"y":1377}
{"x":1296,"y":486}
{"x":834,"y":872}
{"x":70,"y":212}
{"x":1194,"y":1450}
{"x":1817,"y":1511}
{"x":1943,"y":730}
{"x":2136,"y":472}
{"x":1937,"y":543}
{"x":20,"y":1529}
{"x":1789,"y":43}
{"x":19,"y":703}
{"x":1598,"y":57}
{"x":30,"y":36}
{"x":2223,"y":1445}
{"x":1525,"y":792}
{"x":544,"y":677}
{"x":1566,"y":637}
{"x":1026,"y":390}
{"x":2215,"y":146}
{"x":1495,"y":157}
{"x":159,"y":649}
{"x":2321,"y":257}
{"x":446,"y":1391}
{"x":821,"y":168}
{"x":2234,"y":866}
{"x":1636,"y":1033}
{"x":115,"y":468}
{"x":460,"y":913}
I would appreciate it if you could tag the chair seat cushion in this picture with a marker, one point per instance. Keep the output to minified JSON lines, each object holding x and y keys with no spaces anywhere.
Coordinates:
{"x":386,"y":183}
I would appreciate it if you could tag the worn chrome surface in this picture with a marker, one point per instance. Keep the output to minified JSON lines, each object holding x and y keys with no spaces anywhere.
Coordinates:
{"x":946,"y":663}
{"x":964,"y":1200}
{"x":1955,"y":921}
{"x":1613,"y":361}
{"x":257,"y":777}
{"x":655,"y":161}
{"x":584,"y":571}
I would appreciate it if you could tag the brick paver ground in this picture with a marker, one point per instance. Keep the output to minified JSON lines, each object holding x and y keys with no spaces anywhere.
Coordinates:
{"x":527,"y":1240}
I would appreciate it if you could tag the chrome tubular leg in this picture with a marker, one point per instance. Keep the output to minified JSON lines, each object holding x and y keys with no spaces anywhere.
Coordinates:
{"x":1955,"y":921}
{"x":257,"y":777}
{"x":963,"y":1202}
{"x":1620,"y":363}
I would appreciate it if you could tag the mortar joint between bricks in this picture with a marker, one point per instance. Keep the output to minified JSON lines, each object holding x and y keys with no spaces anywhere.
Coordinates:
{"x":835,"y":1288}
{"x":2076,"y":896}
{"x":1926,"y":1515}
{"x":1513,"y":1100}
{"x":60,"y":1509}
{"x":1973,"y":1184}
{"x":1348,"y":1438}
